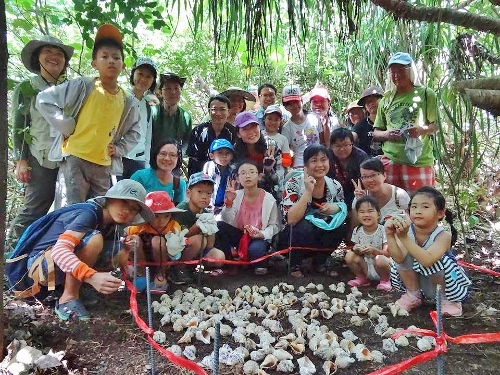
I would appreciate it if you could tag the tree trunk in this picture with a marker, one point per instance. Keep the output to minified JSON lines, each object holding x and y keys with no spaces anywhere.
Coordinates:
{"x":491,"y":83}
{"x":4,"y":145}
{"x":488,"y":100}
{"x":403,"y":9}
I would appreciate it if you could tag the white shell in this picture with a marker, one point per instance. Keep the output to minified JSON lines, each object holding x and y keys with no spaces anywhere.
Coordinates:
{"x":347,"y":345}
{"x":425,"y":343}
{"x":329,"y":368}
{"x":310,"y":286}
{"x":175,"y":349}
{"x":325,"y":352}
{"x":297,"y":347}
{"x":269,"y":362}
{"x":250,"y":368}
{"x":402,"y":341}
{"x":190,"y":352}
{"x":285,"y":366}
{"x":377,"y":356}
{"x":301,"y":289}
{"x":314,"y":314}
{"x":389,"y":345}
{"x":349,"y":335}
{"x":160,"y":337}
{"x":225,"y":330}
{"x":306,"y":367}
{"x":186,"y":338}
{"x":203,"y":336}
{"x":281,"y":354}
{"x":356,"y":321}
{"x":341,"y":287}
{"x":258,"y":355}
{"x":364,"y":355}
{"x":343,"y":361}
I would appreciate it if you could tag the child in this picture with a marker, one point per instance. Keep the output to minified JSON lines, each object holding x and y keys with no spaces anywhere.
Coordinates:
{"x":48,"y":58}
{"x":201,"y":227}
{"x":152,"y":238}
{"x":250,"y":211}
{"x":421,"y":253}
{"x":251,"y":145}
{"x":219,"y":169}
{"x":272,"y":120}
{"x":79,"y":243}
{"x":368,"y":259}
{"x":97,"y":119}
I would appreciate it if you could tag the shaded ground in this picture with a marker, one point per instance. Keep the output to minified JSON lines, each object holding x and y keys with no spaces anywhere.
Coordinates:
{"x":112,"y":344}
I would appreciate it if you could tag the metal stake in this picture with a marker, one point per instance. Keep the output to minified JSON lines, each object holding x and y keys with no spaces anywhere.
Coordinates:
{"x":216,"y":348}
{"x":150,"y":324}
{"x":290,"y":249}
{"x":439,"y":328}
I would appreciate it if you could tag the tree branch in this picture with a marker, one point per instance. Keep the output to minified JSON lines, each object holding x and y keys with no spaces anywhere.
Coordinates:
{"x":402,"y":9}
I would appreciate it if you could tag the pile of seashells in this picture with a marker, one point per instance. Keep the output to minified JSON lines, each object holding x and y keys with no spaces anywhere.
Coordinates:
{"x":252,"y":318}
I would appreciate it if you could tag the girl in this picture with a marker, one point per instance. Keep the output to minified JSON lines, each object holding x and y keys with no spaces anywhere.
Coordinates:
{"x":368,"y":259}
{"x":249,"y":211}
{"x":166,"y":160}
{"x":251,"y":145}
{"x":421,"y":253}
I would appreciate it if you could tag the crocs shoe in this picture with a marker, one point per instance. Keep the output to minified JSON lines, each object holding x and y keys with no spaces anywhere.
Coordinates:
{"x":384,"y":285}
{"x":451,"y":308}
{"x":359,"y":281}
{"x":260,"y":271}
{"x":408,"y":301}
{"x":72,"y":309}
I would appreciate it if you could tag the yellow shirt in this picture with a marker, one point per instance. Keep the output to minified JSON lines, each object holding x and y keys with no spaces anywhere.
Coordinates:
{"x":96,"y":125}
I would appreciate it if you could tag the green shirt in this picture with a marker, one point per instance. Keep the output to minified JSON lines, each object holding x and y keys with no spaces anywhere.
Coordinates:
{"x":186,"y":219}
{"x":178,"y":127}
{"x":418,"y":107}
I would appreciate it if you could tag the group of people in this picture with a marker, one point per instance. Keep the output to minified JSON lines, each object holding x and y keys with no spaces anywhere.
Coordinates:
{"x":273,"y":177}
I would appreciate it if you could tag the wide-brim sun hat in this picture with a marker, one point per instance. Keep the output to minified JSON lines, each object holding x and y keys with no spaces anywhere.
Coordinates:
{"x":169,"y":76}
{"x":129,"y":190}
{"x":233,"y":90}
{"x":353,"y":105}
{"x":370,"y":91}
{"x":160,"y":203}
{"x":33,"y":45}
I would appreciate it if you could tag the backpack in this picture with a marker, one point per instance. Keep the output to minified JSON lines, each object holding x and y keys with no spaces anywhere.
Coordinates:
{"x":26,"y":282}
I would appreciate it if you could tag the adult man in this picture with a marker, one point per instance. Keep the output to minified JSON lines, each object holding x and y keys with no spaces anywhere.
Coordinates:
{"x":406,"y":118}
{"x":320,"y":104}
{"x":267,"y":97}
{"x":171,"y":121}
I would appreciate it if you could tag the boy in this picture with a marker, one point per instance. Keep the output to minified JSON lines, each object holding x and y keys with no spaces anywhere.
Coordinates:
{"x":201,"y":226}
{"x":97,"y":119}
{"x":220,"y":170}
{"x":153,"y":238}
{"x":69,"y":245}
{"x":272,"y":122}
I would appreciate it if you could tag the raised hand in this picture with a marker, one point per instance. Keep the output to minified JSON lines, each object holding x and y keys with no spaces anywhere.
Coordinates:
{"x":269,"y":161}
{"x":309,"y":182}
{"x":359,"y":192}
{"x":231,"y":190}
{"x":104,"y":282}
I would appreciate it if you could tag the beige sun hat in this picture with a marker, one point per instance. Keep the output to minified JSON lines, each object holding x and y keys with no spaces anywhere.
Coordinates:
{"x":33,"y":45}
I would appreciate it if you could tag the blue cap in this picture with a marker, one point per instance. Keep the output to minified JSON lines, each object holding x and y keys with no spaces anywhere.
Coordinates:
{"x":217,"y":144}
{"x":199,"y":177}
{"x":402,"y":58}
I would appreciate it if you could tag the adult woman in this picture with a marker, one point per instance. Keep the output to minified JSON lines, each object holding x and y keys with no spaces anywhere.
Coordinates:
{"x":143,"y":81}
{"x":391,"y":199}
{"x":313,"y":208}
{"x":363,"y":130}
{"x":237,"y":97}
{"x":166,"y":160}
{"x":48,"y":58}
{"x":320,"y":104}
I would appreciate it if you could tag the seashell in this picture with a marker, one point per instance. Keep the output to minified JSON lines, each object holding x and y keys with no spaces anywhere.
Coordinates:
{"x":329,"y":367}
{"x":190,"y":352}
{"x":362,"y":309}
{"x":273,"y":311}
{"x":326,"y":314}
{"x":393,"y":308}
{"x":324,"y":305}
{"x":179,"y":324}
{"x":290,"y":300}
{"x":305,"y":311}
{"x":377,"y":356}
{"x":250,"y":344}
{"x":285,"y":366}
{"x":313,"y":344}
{"x":269,"y":362}
{"x":341,"y":287}
{"x":297,"y":347}
{"x":203,"y":336}
{"x":290,"y":337}
{"x":244,"y":353}
{"x":306,"y":367}
{"x":239,"y":338}
{"x":258,"y":355}
{"x":363,"y":354}
{"x":165,"y":320}
{"x":291,"y":312}
{"x":343,"y":361}
{"x":402,"y":341}
{"x":250,"y":328}
{"x":314,"y":314}
{"x":288,"y":287}
{"x":266,"y":339}
{"x":389,"y":345}
{"x":282,"y":344}
{"x":320,"y":287}
{"x":330,"y":336}
{"x":403,"y":312}
{"x":250,"y":368}
{"x":225,"y":330}
{"x":193,"y":322}
{"x":426,"y":343}
{"x":186,"y":338}
{"x":389,"y":332}
{"x":273,"y":325}
{"x":211,"y":331}
{"x":325,"y":352}
{"x":281,"y":354}
{"x":208,"y":362}
{"x":355,"y":291}
{"x":356,"y":321}
{"x":310,"y":286}
{"x":160,"y":337}
{"x":349,"y":335}
{"x":246,"y":289}
{"x":175,"y":349}
{"x":349,"y":309}
{"x":301,"y":289}
{"x":347,"y":345}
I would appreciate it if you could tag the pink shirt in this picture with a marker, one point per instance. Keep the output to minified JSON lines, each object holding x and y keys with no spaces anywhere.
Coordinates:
{"x":251,"y":213}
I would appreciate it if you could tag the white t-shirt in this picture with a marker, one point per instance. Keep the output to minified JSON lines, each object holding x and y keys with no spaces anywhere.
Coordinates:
{"x":300,"y":136}
{"x":375,"y":239}
{"x":281,"y":145}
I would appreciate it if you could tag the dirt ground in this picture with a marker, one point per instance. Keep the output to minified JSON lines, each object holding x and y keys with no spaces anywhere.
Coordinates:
{"x":112,"y":344}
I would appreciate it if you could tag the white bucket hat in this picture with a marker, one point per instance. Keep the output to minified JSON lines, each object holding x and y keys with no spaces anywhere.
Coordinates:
{"x":46,"y":40}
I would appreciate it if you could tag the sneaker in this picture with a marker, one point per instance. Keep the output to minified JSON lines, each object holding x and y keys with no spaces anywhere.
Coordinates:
{"x":158,"y":289}
{"x":408,"y":301}
{"x":180,"y":276}
{"x":384,"y":285}
{"x":359,"y":281}
{"x":260,"y":271}
{"x":451,"y":308}
{"x":72,"y":309}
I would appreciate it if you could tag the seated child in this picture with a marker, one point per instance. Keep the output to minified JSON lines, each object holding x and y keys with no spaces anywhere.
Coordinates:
{"x":219,"y":169}
{"x":250,"y":211}
{"x":201,"y":226}
{"x":369,"y":259}
{"x":79,"y":243}
{"x":152,"y":239}
{"x":272,"y":120}
{"x":422,"y":257}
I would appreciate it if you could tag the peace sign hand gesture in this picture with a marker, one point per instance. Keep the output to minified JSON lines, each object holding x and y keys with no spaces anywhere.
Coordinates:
{"x":269,"y":160}
{"x":231,"y":190}
{"x":359,"y":192}
{"x":309,"y":182}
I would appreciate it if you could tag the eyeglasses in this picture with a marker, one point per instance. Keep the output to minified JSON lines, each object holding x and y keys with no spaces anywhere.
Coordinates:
{"x":247,"y":173}
{"x":165,"y":155}
{"x":369,"y":177}
{"x":218,"y":109}
{"x":342,"y":147}
{"x":399,"y":70}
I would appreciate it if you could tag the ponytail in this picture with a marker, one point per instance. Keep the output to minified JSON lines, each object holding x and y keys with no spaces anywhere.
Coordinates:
{"x":448,"y":216}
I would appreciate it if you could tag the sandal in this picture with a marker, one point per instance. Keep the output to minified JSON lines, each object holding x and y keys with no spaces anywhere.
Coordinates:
{"x":73,"y":308}
{"x":215,"y":272}
{"x":359,"y":282}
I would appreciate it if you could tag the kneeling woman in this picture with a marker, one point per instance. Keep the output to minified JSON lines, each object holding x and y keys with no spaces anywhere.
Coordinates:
{"x":251,"y":212}
{"x":314,"y":209}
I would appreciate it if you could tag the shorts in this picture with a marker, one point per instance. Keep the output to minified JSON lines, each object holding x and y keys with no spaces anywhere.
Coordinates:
{"x":371,"y":273}
{"x":408,"y":177}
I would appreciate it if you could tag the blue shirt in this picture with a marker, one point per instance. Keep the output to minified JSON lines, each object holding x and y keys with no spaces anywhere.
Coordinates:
{"x":147,"y":178}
